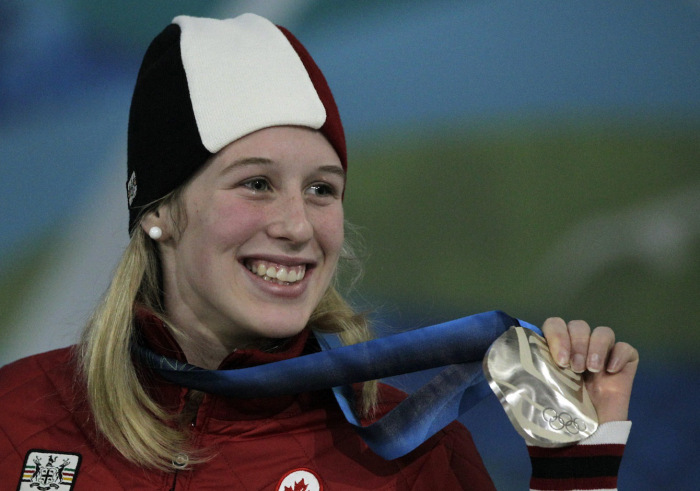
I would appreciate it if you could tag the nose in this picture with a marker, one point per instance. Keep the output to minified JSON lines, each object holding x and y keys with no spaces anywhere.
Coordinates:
{"x":291,"y":220}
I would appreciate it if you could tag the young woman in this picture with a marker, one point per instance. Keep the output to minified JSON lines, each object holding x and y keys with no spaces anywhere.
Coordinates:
{"x":236,"y":176}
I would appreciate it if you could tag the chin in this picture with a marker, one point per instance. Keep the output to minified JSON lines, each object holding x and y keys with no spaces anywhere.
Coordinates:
{"x":281,"y":328}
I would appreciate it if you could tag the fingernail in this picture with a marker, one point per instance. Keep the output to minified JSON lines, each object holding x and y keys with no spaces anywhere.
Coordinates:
{"x":563,"y":358}
{"x":579,"y":363}
{"x":614,"y":365}
{"x":594,"y":363}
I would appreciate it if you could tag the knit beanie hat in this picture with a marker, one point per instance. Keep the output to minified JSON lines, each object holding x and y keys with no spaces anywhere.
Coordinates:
{"x":205,"y":83}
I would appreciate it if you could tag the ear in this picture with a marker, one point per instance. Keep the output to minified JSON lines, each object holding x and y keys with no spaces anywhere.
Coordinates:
{"x":158,"y":218}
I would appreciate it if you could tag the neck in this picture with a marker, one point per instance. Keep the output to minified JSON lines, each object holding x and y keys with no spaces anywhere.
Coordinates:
{"x":204,"y":348}
{"x":206,"y":345}
{"x":204,"y":353}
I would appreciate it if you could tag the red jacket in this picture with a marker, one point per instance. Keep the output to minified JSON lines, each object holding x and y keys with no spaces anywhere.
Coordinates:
{"x":290,"y":443}
{"x":253,"y":443}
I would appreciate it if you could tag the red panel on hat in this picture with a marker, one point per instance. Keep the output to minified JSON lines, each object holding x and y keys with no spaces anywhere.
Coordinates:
{"x":333,"y":127}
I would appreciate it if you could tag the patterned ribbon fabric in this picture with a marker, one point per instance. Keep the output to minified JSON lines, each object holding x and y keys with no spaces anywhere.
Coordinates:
{"x":457,"y":346}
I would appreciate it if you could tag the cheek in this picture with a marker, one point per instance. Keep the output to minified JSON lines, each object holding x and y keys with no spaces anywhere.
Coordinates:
{"x":330,"y":232}
{"x":232,"y":224}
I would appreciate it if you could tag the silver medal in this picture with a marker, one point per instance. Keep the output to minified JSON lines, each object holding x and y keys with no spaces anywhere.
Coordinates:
{"x":548,"y":405}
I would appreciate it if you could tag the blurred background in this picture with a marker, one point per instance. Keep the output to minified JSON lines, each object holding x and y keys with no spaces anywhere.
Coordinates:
{"x":541,"y":158}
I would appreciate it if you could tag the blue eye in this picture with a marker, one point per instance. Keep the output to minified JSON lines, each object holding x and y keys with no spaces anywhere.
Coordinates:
{"x":257,"y":184}
{"x":322,"y":190}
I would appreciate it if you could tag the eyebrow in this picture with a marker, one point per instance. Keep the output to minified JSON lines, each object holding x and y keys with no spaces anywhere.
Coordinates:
{"x":245,"y":162}
{"x":332,"y":169}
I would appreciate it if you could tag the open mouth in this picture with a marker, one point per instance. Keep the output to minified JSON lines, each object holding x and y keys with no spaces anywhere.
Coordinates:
{"x":276,"y":273}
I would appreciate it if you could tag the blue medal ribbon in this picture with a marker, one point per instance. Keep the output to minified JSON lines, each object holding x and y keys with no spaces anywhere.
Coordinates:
{"x":457,"y":346}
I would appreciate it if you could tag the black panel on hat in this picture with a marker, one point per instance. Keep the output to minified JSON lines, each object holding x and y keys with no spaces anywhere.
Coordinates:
{"x":164,"y":146}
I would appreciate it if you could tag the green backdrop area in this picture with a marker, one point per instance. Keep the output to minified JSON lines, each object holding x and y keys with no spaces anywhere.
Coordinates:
{"x":597,"y":220}
{"x":594,"y":220}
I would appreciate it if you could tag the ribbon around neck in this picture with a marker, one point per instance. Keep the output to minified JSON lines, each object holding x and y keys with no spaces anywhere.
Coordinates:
{"x":457,"y":346}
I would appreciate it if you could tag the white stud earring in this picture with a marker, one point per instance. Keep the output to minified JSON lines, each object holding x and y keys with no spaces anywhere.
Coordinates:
{"x":155,"y":233}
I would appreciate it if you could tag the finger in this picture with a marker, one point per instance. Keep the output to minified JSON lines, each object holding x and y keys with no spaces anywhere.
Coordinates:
{"x":622,"y":355}
{"x":580,"y":333}
{"x":558,"y":340}
{"x":599,"y":348}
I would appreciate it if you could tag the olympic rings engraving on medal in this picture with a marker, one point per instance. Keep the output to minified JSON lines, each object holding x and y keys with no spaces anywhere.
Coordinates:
{"x":563,"y":421}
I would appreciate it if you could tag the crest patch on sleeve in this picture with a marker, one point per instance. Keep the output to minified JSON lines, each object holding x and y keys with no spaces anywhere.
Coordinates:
{"x":45,"y":470}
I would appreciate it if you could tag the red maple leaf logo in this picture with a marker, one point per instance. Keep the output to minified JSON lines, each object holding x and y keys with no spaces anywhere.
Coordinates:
{"x":298,"y":486}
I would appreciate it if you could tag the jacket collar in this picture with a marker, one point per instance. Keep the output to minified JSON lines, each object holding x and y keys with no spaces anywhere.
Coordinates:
{"x":158,"y":337}
{"x":155,"y":335}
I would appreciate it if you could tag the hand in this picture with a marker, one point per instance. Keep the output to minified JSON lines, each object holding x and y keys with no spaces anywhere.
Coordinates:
{"x":608,"y":367}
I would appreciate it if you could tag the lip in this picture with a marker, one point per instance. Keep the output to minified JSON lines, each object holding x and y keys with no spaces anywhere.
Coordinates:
{"x":281,"y":260}
{"x":290,"y":291}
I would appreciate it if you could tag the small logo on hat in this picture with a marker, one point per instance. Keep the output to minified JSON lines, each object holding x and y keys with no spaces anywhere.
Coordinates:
{"x":131,"y":188}
{"x":300,"y":480}
{"x":44,"y":470}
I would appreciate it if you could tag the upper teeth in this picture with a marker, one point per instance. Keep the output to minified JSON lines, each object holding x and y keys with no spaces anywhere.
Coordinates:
{"x":284,"y":274}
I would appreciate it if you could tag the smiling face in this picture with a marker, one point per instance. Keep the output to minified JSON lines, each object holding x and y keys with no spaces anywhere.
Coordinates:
{"x":262,"y":235}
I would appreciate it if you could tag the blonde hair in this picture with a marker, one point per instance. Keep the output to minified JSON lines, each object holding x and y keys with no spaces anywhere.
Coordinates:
{"x":124,"y":413}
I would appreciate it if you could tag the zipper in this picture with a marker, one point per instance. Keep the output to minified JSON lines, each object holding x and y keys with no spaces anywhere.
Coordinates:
{"x":188,"y":417}
{"x":172,"y":488}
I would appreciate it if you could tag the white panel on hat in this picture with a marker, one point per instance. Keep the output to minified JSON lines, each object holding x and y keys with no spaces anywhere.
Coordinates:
{"x":243,"y":75}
